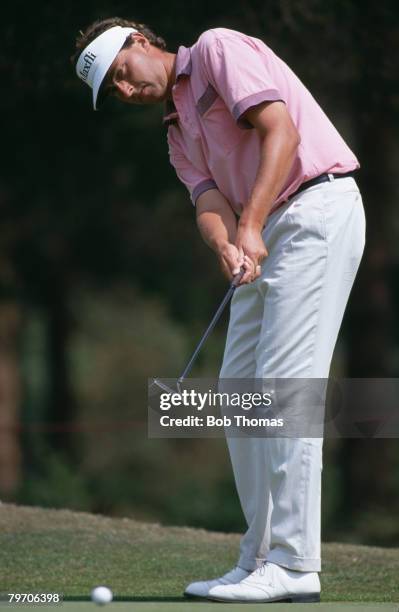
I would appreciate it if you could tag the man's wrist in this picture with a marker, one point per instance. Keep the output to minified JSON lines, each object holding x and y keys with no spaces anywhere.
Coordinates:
{"x":250,"y":222}
{"x":222,"y":246}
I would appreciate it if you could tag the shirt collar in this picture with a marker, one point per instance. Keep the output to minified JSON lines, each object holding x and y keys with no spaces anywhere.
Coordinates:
{"x":183,"y":68}
{"x":183,"y":62}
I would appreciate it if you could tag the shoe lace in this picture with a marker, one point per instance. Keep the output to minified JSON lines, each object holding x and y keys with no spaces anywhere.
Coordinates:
{"x":261,"y":571}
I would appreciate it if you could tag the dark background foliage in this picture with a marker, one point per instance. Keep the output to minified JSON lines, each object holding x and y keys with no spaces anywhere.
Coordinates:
{"x":104,"y":280}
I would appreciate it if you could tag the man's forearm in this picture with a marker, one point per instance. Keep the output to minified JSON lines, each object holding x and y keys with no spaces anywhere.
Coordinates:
{"x":216,"y":220}
{"x":277,"y":155}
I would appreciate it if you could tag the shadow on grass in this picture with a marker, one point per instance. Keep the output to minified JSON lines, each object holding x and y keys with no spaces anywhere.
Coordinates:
{"x":148,"y":598}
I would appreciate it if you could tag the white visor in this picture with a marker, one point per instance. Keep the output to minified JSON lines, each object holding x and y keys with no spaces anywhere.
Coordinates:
{"x":97,"y":57}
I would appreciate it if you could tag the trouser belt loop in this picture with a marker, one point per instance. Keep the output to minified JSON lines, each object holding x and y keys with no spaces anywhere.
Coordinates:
{"x":331,"y":177}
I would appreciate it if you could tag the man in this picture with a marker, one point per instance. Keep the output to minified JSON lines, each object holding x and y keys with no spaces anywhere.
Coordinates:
{"x":272,"y":183}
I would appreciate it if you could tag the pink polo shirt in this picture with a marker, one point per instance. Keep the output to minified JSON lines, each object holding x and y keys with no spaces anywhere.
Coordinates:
{"x":212,"y":146}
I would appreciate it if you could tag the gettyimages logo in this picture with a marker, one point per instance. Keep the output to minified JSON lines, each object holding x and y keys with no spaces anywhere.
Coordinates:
{"x":289,"y":407}
{"x":88,"y":60}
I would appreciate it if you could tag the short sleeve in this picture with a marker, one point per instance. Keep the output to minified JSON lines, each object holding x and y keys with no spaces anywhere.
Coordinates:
{"x":238,"y":71}
{"x":197,"y":180}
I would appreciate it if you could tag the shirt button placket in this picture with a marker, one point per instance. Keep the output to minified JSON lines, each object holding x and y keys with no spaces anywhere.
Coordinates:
{"x":184,"y":116}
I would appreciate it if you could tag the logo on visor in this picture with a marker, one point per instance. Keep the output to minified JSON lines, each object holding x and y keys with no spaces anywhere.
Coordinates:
{"x":88,"y":60}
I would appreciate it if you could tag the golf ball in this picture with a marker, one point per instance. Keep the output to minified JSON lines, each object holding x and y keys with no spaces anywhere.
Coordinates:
{"x":101,"y":595}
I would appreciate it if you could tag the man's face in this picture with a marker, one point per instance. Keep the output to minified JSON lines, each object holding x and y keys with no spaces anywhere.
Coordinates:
{"x":138,"y":74}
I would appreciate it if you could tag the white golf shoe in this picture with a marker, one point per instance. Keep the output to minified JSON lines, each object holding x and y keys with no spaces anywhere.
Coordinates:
{"x":201,"y":589}
{"x":269,"y":583}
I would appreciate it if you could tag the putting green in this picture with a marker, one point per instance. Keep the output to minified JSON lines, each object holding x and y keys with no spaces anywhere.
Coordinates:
{"x":147,"y":566}
{"x":126,"y":606}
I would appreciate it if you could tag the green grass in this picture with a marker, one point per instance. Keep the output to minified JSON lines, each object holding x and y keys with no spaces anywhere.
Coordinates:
{"x":43,"y":550}
{"x":215,"y":607}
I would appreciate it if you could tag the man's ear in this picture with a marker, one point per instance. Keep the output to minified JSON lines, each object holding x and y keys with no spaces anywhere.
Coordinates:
{"x":140,"y":39}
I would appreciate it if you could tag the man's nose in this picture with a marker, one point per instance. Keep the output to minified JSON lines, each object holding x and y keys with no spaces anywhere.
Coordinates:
{"x":124,"y":89}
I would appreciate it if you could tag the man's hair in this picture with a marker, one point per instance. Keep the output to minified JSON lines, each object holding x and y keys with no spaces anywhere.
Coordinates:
{"x":101,"y":25}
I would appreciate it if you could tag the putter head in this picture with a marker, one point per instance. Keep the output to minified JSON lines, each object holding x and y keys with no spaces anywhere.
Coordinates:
{"x":157,"y":388}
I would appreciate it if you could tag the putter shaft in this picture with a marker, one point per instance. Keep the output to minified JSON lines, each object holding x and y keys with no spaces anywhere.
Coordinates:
{"x":216,"y":317}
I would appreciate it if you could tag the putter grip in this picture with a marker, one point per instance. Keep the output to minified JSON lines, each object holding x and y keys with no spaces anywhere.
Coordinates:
{"x":238,"y":277}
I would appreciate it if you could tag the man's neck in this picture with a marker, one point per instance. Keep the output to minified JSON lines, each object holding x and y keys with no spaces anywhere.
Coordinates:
{"x":170,"y":66}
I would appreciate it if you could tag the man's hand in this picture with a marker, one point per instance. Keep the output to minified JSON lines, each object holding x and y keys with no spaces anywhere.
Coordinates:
{"x":249,"y":243}
{"x":218,"y":226}
{"x":231,"y":262}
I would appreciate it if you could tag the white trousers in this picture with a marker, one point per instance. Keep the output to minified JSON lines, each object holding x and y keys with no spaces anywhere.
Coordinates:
{"x":285,"y":325}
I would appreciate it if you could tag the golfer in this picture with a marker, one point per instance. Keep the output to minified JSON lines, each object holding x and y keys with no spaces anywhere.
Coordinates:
{"x":273,"y":185}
